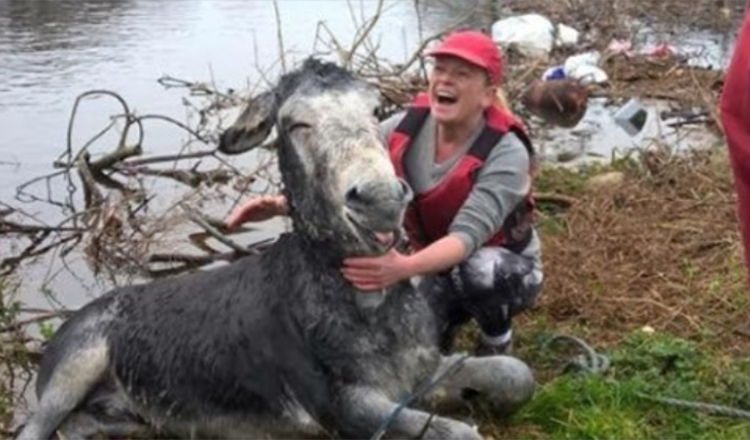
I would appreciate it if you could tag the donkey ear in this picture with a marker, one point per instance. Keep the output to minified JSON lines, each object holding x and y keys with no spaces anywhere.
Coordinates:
{"x":252,"y":127}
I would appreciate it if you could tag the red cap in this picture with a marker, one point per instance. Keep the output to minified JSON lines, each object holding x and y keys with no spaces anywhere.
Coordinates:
{"x":475,"y":47}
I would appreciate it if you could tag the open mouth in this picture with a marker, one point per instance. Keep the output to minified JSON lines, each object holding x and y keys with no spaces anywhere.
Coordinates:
{"x":446,"y":98}
{"x":382,"y":240}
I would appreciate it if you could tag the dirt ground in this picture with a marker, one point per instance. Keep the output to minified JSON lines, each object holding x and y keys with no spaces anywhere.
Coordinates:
{"x":661,"y":249}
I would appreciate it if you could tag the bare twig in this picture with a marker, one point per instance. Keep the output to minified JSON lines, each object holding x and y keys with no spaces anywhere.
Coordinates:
{"x":35,"y":320}
{"x":280,"y":36}
{"x":166,"y":158}
{"x":201,"y":221}
{"x":364,"y":34}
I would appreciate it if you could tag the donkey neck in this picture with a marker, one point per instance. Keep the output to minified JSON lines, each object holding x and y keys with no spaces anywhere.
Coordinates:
{"x":322,"y":260}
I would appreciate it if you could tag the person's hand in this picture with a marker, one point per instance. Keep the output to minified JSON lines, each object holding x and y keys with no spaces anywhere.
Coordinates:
{"x":257,"y":210}
{"x":374,"y":273}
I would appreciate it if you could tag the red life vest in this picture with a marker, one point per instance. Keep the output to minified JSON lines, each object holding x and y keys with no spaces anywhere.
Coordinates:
{"x":430,"y":214}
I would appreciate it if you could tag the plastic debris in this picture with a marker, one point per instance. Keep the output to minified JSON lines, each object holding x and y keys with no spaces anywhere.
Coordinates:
{"x":557,"y":72}
{"x":661,"y":50}
{"x":566,"y":36}
{"x":625,"y":47}
{"x":584,"y":67}
{"x":532,"y":35}
{"x":631,"y":117}
{"x":617,"y":46}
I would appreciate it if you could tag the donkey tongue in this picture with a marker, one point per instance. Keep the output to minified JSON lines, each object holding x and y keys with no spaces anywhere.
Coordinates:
{"x":385,"y":238}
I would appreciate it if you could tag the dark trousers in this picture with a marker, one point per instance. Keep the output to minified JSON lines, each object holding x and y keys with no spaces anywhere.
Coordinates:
{"x":492,"y":286}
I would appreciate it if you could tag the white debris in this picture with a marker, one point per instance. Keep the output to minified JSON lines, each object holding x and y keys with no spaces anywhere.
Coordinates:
{"x":566,"y":36}
{"x":533,"y":35}
{"x":584,"y":67}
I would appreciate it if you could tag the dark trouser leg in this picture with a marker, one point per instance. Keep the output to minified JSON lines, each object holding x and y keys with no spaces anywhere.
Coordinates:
{"x":496,"y":284}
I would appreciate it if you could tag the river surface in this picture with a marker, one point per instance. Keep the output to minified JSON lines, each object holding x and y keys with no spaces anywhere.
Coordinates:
{"x":51,"y":51}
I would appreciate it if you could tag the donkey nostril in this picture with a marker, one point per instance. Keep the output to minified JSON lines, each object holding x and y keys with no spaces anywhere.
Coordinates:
{"x":354,"y":195}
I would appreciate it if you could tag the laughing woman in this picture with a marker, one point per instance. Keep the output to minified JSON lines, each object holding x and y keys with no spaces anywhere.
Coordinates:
{"x":469,"y":161}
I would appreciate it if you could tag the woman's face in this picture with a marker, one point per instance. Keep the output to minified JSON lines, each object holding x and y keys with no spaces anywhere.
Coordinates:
{"x":459,"y":91}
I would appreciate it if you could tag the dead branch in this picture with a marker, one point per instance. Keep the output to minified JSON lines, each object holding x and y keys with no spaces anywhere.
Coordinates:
{"x":91,"y":194}
{"x":196,"y":88}
{"x":11,"y":227}
{"x":211,"y":229}
{"x":190,"y":178}
{"x":279,"y":36}
{"x":166,"y":158}
{"x":363,"y":35}
{"x":8,"y":265}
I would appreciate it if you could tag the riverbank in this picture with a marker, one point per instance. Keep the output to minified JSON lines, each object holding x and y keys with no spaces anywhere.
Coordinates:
{"x":641,"y":248}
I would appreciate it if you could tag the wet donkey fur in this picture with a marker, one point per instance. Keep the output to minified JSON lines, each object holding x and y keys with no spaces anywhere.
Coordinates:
{"x":277,"y":345}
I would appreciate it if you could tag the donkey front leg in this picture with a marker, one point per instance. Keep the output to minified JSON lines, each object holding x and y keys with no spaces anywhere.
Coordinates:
{"x":504,"y":383}
{"x":364,"y":411}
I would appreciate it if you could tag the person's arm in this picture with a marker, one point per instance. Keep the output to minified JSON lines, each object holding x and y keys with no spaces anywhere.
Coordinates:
{"x":266,"y":207}
{"x":257,"y":210}
{"x":502,"y":183}
{"x":373,"y":273}
{"x":735,"y":119}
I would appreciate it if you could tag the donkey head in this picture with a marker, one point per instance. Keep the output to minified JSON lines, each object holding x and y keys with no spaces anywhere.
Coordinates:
{"x":341,"y":186}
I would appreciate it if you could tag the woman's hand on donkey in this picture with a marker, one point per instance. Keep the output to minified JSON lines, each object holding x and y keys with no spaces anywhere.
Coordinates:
{"x":257,"y":210}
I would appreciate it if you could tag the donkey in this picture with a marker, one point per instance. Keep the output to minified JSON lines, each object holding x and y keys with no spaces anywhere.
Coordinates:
{"x":277,"y":345}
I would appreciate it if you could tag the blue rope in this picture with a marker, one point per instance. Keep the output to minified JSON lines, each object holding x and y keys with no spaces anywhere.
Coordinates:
{"x":592,"y":362}
{"x":453,"y":369}
{"x":589,"y":362}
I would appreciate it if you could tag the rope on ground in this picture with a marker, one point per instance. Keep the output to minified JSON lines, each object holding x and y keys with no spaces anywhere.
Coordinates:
{"x":451,"y":370}
{"x":589,"y":362}
{"x":592,"y":362}
{"x":708,"y":408}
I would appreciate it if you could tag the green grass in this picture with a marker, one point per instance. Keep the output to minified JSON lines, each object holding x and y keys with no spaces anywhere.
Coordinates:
{"x":612,"y":405}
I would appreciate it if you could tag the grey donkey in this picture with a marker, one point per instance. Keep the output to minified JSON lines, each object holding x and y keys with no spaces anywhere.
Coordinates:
{"x":278,"y":345}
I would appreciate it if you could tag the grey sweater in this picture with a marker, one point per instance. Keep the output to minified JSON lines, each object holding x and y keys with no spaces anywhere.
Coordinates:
{"x":502,"y":183}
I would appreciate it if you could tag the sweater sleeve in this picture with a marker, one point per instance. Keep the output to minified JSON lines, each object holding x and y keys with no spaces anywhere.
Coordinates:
{"x":502,"y":183}
{"x":735,"y":119}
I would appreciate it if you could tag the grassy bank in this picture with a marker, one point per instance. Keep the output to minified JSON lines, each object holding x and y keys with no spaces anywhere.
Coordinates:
{"x":645,"y":265}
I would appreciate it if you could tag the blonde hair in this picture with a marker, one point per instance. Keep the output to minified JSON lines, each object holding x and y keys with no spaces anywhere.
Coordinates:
{"x":501,"y":98}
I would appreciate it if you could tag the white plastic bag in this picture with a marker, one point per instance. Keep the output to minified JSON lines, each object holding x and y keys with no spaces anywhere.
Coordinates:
{"x":566,"y":36}
{"x":584,"y":67}
{"x":533,"y":34}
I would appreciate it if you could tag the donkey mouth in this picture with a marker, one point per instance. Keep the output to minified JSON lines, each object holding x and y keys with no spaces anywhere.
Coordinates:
{"x":376,"y":238}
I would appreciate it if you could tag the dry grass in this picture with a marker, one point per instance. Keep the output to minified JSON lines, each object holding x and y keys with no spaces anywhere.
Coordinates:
{"x":661,"y":250}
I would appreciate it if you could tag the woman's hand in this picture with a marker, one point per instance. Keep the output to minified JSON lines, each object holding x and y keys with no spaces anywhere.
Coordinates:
{"x":257,"y":210}
{"x":374,"y":273}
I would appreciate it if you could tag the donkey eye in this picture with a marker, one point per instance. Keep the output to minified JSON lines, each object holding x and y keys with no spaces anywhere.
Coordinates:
{"x":297,"y":125}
